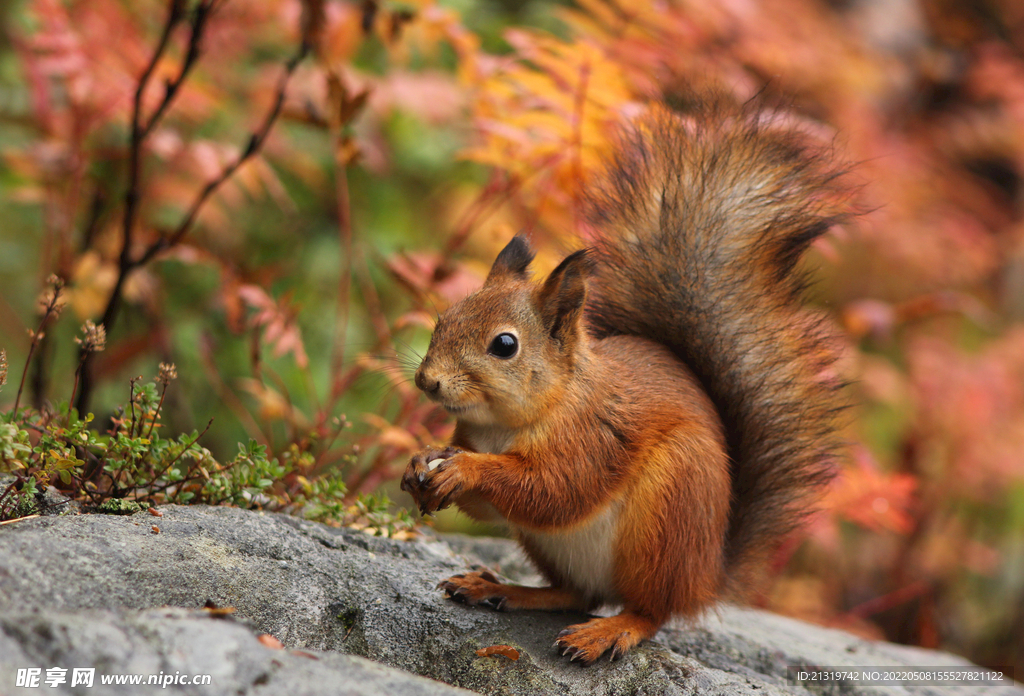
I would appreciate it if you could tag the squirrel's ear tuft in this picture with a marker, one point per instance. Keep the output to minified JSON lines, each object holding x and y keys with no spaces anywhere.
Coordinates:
{"x":513,"y":260}
{"x":562,"y":297}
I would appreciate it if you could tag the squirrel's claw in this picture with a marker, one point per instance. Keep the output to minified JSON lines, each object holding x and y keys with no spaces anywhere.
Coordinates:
{"x":495,"y":603}
{"x":613,"y":635}
{"x":429,"y":487}
{"x":447,"y":500}
{"x":477,"y":588}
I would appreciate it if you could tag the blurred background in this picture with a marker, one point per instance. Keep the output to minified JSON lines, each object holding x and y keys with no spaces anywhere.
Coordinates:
{"x":308,"y":183}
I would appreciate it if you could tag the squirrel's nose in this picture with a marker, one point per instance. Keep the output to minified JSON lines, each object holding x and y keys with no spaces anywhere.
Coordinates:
{"x":426,"y":382}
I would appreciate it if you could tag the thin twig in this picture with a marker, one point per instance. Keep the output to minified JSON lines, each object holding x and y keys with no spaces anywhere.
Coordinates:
{"x":152,"y":424}
{"x":74,"y":387}
{"x":40,"y":374}
{"x":37,"y":335}
{"x":131,"y":400}
{"x":199,"y":19}
{"x":17,"y":519}
{"x":344,"y":281}
{"x":83,"y":452}
{"x":151,"y":488}
{"x":184,"y":450}
{"x":129,"y":460}
{"x":95,"y":497}
{"x":256,"y":141}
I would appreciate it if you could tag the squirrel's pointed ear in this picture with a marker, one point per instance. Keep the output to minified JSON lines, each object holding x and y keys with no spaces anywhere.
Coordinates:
{"x":562,"y":297}
{"x":513,"y":260}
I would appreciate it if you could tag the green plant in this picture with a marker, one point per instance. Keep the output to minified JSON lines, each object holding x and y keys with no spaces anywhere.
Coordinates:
{"x":133,"y":464}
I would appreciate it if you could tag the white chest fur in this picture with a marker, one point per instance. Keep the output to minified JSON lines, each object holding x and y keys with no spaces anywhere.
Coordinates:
{"x":491,"y":440}
{"x":583,"y":554}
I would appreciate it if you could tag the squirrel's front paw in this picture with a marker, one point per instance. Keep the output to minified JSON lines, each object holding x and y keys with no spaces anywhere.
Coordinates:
{"x":433,"y":478}
{"x":477,"y":588}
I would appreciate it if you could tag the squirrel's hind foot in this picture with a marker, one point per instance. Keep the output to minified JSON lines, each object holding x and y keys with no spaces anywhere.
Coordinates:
{"x":586,"y":642}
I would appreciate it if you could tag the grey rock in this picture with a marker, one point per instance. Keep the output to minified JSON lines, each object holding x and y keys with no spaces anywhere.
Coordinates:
{"x":72,"y":585}
{"x":176,"y":646}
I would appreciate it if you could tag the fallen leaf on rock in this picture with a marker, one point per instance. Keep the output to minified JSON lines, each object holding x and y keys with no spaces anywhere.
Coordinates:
{"x":270,"y":641}
{"x":506,"y":650}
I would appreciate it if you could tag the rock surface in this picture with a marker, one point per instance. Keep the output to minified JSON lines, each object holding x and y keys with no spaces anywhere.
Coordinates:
{"x":95,"y":591}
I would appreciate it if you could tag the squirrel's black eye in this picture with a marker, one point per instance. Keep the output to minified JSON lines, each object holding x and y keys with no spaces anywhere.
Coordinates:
{"x":504,"y":346}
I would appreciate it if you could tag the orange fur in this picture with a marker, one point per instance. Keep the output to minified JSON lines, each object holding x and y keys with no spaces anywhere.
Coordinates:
{"x":655,"y":429}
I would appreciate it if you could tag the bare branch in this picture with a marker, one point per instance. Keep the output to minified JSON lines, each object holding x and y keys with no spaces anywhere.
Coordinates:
{"x":175,"y":14}
{"x":199,"y":19}
{"x":139,"y":132}
{"x":256,"y":141}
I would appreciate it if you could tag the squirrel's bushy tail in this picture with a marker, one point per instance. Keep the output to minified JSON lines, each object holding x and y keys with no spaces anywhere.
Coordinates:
{"x":698,"y":227}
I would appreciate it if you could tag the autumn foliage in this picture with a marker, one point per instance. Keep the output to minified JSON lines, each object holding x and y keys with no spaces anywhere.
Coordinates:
{"x":278,"y":196}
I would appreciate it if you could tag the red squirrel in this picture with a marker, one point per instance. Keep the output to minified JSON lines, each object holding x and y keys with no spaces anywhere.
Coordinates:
{"x":658,"y":413}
